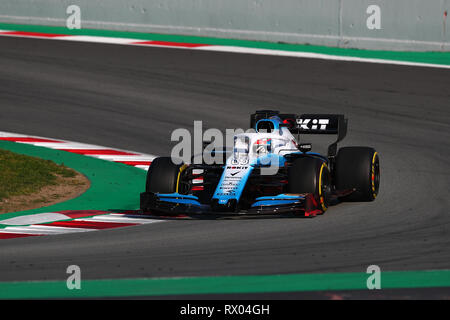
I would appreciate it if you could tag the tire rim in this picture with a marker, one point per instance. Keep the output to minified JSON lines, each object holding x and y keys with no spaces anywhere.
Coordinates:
{"x":324,"y":187}
{"x":375,"y":176}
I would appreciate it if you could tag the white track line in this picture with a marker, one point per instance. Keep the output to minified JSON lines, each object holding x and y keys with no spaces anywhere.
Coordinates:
{"x":65,"y":145}
{"x":35,"y":218}
{"x":119,"y":219}
{"x":97,"y":39}
{"x":140,"y":157}
{"x":34,"y":229}
{"x":13,"y":135}
{"x":311,"y":55}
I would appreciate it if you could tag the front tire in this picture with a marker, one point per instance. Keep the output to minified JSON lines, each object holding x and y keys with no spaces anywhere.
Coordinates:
{"x":311,"y":175}
{"x":162,"y":176}
{"x":358,"y":168}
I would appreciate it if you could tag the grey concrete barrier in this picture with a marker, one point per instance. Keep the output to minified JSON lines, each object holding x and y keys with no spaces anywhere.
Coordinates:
{"x":369,"y":24}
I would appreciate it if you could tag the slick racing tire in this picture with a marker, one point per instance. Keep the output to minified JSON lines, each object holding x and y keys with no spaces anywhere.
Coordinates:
{"x":358,"y":168}
{"x":162,"y":176}
{"x":311,"y":175}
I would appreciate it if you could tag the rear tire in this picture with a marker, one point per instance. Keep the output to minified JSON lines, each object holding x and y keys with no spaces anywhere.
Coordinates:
{"x":311,"y":175}
{"x":162,"y":176}
{"x":358,"y":168}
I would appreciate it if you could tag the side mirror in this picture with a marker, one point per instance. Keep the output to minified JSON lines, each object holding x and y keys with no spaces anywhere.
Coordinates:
{"x":305,"y":147}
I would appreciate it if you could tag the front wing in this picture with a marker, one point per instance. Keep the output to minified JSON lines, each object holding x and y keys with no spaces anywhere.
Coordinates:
{"x":175,"y":203}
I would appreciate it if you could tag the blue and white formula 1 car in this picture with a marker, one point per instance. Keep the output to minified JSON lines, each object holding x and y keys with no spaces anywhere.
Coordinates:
{"x":268,"y":171}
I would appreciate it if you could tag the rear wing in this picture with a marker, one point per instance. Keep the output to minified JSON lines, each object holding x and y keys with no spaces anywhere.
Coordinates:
{"x":320,"y":124}
{"x":309,"y":124}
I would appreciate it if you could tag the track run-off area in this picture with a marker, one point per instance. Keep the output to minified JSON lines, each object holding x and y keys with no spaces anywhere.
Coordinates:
{"x":133,"y":97}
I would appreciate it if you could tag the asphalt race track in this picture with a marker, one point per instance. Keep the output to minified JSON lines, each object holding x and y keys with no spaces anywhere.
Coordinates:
{"x":134,"y":97}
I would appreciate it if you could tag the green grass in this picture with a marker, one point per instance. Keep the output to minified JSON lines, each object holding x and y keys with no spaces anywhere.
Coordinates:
{"x":24,"y":175}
